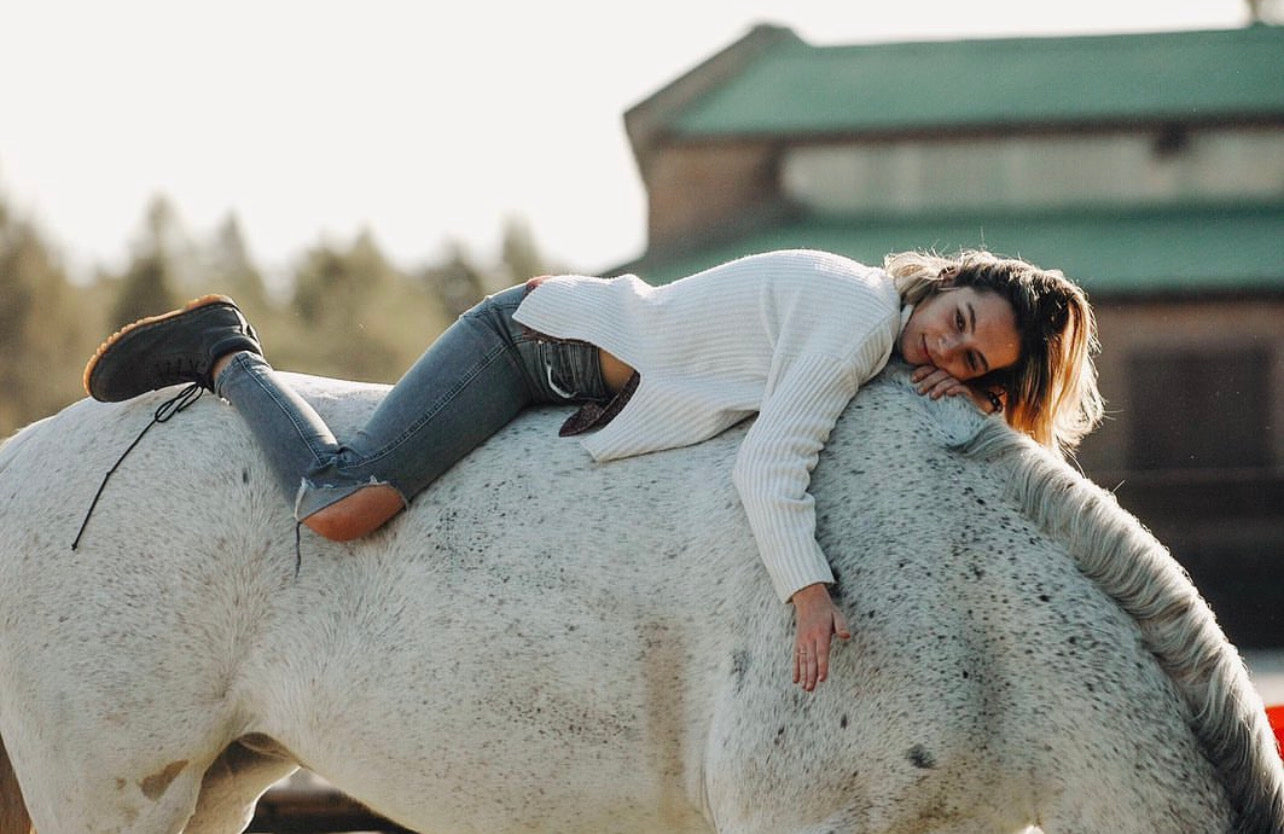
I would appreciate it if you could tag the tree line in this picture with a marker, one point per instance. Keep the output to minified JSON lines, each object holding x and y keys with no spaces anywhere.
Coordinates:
{"x":345,"y":310}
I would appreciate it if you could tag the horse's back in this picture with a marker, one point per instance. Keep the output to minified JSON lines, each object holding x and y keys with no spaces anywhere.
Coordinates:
{"x":573,"y":646}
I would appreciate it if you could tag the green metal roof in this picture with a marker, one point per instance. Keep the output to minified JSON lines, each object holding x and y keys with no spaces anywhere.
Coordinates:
{"x":1110,"y":252}
{"x":795,"y":89}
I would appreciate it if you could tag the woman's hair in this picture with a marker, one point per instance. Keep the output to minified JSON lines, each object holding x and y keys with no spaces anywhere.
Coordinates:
{"x":1051,"y":392}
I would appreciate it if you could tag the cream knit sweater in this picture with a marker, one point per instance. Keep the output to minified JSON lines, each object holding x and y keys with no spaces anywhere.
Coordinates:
{"x":789,"y":335}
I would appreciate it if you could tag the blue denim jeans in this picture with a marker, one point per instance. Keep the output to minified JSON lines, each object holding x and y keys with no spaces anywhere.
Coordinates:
{"x":471,"y":382}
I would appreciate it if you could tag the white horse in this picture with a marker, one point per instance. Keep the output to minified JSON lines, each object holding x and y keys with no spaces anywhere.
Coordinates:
{"x":546,"y":644}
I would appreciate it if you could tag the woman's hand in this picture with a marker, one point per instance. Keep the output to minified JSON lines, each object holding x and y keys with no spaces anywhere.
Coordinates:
{"x":935,"y":383}
{"x":817,"y":619}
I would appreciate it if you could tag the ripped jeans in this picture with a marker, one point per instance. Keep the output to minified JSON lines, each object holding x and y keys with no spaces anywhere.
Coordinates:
{"x":470,"y":383}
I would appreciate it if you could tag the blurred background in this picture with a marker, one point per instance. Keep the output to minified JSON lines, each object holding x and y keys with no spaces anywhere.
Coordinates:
{"x":358,"y":174}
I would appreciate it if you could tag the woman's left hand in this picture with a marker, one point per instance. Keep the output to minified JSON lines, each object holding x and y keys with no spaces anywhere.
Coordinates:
{"x":817,"y":620}
{"x":935,"y":383}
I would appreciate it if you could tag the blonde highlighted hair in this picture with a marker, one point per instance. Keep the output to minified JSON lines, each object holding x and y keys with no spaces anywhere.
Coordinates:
{"x":1051,"y":392}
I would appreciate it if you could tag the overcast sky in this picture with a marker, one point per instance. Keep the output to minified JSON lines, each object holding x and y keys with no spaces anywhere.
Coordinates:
{"x":313,"y":119}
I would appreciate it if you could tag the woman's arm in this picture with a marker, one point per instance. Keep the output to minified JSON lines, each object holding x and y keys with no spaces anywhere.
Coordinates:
{"x":772,"y":473}
{"x":936,"y":383}
{"x":816,"y":619}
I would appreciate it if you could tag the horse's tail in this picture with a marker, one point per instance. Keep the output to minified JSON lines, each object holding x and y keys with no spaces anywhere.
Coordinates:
{"x":14,"y":818}
{"x":1114,"y":550}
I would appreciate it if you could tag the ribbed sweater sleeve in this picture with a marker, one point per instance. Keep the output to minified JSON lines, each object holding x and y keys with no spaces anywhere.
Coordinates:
{"x":774,"y":465}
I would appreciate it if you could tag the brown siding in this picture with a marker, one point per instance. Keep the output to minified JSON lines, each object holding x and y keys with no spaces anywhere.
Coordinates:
{"x":697,"y":192}
{"x":1131,"y":330}
{"x":1223,"y":524}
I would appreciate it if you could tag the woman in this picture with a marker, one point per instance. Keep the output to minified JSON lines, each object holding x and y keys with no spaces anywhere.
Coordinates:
{"x":789,"y":335}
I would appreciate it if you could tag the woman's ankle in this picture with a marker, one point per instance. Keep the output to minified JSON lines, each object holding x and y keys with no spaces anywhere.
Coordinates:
{"x":220,"y":365}
{"x":358,"y":514}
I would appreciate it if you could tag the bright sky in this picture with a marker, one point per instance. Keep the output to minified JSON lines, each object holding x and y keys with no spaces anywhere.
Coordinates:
{"x":423,"y":121}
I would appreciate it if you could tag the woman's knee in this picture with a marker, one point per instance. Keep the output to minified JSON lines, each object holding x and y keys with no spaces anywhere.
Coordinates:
{"x":360,"y":513}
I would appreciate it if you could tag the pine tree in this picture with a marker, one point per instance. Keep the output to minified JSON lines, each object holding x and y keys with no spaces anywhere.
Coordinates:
{"x":342,"y":299}
{"x":46,"y":332}
{"x":521,"y":256}
{"x":149,"y":285}
{"x":458,"y":282}
{"x":231,"y":269}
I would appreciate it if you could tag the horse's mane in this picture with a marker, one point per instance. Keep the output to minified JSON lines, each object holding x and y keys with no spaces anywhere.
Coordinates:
{"x":1116,"y":552}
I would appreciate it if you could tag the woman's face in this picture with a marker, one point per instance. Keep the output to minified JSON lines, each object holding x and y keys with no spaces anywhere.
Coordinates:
{"x":963,"y":332}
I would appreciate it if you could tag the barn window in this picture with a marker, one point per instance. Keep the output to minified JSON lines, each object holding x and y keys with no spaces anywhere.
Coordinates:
{"x":1200,"y":409}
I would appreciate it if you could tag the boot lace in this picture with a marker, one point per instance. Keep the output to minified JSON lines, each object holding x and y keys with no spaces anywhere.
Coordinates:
{"x":183,"y":368}
{"x":163,"y":413}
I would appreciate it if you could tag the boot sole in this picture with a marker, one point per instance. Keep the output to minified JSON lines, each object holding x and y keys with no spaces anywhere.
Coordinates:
{"x":148,"y":321}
